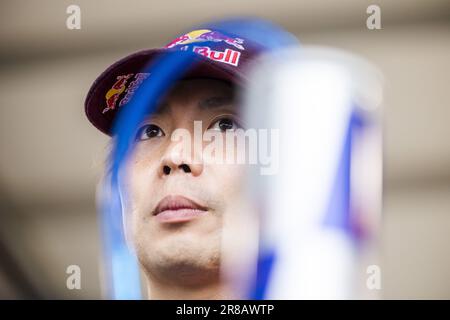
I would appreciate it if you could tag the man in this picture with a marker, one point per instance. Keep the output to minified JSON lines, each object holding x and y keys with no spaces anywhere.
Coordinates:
{"x":179,"y":201}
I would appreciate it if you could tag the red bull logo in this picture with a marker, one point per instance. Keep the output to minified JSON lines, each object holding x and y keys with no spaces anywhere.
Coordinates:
{"x":228,"y":56}
{"x":120,"y":86}
{"x":204,"y":35}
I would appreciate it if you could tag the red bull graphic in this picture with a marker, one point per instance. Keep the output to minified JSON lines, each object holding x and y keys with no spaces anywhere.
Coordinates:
{"x":113,"y":94}
{"x":228,"y":56}
{"x":116,"y":90}
{"x":204,"y":35}
{"x":134,"y":85}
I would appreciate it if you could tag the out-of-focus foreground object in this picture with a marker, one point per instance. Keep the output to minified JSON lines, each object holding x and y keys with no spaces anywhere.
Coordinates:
{"x":320,"y":205}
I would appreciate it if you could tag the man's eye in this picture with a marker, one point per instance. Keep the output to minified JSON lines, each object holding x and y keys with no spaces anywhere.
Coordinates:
{"x":224,"y":124}
{"x":149,"y":131}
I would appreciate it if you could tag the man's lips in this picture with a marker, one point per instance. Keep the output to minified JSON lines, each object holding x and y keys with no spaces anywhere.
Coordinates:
{"x":172,"y":209}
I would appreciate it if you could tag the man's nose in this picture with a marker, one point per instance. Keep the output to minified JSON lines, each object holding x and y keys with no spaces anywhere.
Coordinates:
{"x":177,"y":158}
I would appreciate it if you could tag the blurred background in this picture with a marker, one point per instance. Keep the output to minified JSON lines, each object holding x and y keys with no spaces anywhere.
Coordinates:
{"x":50,"y":156}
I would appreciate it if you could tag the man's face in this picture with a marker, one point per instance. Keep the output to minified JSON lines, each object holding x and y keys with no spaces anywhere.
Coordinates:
{"x":176,"y":200}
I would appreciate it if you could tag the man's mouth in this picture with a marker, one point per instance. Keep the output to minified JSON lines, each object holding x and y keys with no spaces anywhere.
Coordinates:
{"x":175,"y":209}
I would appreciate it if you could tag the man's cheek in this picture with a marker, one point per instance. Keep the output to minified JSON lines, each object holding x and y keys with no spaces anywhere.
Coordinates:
{"x":230,"y":177}
{"x":139,"y":203}
{"x":142,"y":229}
{"x":141,"y":182}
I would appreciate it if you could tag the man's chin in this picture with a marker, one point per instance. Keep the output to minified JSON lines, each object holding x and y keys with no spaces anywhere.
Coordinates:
{"x":180,"y":258}
{"x":187,"y":242}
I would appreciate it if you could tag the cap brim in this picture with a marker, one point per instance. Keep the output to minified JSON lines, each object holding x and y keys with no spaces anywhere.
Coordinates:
{"x":95,"y":102}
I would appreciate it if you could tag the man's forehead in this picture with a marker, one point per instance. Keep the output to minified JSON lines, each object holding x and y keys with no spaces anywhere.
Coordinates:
{"x":198,"y":93}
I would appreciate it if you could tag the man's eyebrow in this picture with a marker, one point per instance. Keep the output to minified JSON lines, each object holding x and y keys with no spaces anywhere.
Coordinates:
{"x":161,"y":108}
{"x":215,"y":102}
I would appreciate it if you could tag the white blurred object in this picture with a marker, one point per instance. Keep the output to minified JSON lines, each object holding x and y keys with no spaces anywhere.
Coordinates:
{"x":312,"y":95}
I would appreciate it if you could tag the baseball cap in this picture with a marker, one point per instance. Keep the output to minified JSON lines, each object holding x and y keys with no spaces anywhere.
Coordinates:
{"x":220,"y":56}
